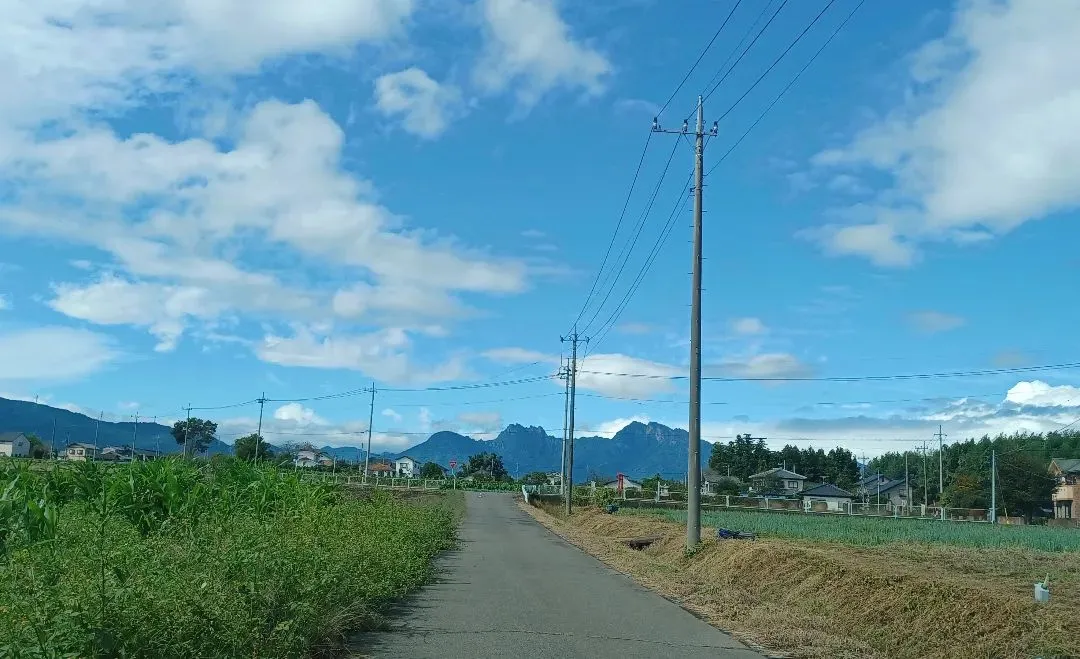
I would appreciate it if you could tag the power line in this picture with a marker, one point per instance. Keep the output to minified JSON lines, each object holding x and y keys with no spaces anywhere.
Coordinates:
{"x":618,"y":225}
{"x":734,"y":50}
{"x":628,"y":248}
{"x":777,"y":60}
{"x":661,"y":238}
{"x":786,"y":88}
{"x":860,"y":378}
{"x":744,"y":52}
{"x":700,"y":57}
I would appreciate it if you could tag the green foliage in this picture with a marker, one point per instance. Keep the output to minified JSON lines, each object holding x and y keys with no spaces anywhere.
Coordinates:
{"x":728,"y":485}
{"x":602,"y":496}
{"x":489,"y":465}
{"x":194,"y":434}
{"x":431,"y":470}
{"x":746,"y":455}
{"x":247,"y":446}
{"x":172,"y":559}
{"x":535,"y":478}
{"x":38,"y":449}
{"x":855,"y":530}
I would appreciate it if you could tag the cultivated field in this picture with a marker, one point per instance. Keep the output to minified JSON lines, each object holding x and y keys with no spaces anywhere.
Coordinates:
{"x":869,"y":531}
{"x":834,"y":587}
{"x":221,"y":559}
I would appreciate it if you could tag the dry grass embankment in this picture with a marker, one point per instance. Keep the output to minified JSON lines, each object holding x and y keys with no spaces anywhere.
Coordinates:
{"x":815,"y":599}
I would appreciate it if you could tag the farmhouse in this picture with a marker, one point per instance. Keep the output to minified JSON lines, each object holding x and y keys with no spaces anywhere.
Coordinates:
{"x":406,"y":467}
{"x":79,"y":452}
{"x":786,"y":482}
{"x":306,"y":458}
{"x":1066,"y":496}
{"x":620,"y":484}
{"x":893,"y":492}
{"x":833,"y":498}
{"x":14,"y":445}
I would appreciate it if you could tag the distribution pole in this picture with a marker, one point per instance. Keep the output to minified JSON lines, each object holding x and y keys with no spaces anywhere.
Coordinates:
{"x":52,"y":440}
{"x":941,"y":469}
{"x":187,"y":428}
{"x":925,"y":491}
{"x":371,"y":421}
{"x":564,"y":373}
{"x":97,"y":431}
{"x":134,"y":435}
{"x":693,"y":476}
{"x":568,"y":491}
{"x":993,"y":487}
{"x":258,"y":433}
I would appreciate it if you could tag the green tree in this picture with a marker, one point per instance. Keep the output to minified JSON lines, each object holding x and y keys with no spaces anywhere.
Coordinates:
{"x":431,"y":470}
{"x":486,"y":465}
{"x":194,"y":434}
{"x":38,"y":450}
{"x":728,"y":485}
{"x":1024,"y":485}
{"x":535,"y":478}
{"x":246,"y":447}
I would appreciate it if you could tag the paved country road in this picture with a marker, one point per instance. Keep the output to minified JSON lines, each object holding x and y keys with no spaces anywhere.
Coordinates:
{"x":514,"y":589}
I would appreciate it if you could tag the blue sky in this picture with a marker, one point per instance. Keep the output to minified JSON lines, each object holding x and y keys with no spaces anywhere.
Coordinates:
{"x":205,"y":202}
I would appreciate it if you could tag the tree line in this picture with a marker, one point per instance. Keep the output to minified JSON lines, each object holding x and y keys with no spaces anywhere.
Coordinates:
{"x":745,"y":455}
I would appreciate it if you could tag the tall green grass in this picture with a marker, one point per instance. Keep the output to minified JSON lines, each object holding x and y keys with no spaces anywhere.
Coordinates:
{"x":173,"y":559}
{"x":855,"y":530}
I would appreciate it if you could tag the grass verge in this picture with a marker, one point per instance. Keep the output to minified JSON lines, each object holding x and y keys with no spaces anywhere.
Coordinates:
{"x":800,"y":598}
{"x":178,"y":560}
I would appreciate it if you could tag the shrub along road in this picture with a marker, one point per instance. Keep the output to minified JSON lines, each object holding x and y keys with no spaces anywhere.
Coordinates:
{"x":514,"y":589}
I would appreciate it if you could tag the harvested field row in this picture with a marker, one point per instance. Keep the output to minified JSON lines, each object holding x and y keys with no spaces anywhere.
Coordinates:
{"x":800,"y":598}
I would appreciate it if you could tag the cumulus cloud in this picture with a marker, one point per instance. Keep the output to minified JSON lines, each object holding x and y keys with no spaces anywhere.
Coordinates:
{"x":298,"y":414}
{"x":764,"y":365}
{"x":424,"y":106}
{"x":513,"y":355}
{"x":607,"y":375}
{"x":528,"y":47}
{"x":984,"y":140}
{"x":5,"y":302}
{"x":392,"y":414}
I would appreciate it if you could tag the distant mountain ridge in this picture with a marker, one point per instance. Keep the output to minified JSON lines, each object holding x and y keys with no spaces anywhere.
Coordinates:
{"x":638,"y":450}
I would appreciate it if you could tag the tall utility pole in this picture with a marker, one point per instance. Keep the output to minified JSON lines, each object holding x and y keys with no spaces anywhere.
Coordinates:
{"x":941,"y":469}
{"x":568,"y":491}
{"x":134,"y":435}
{"x":693,"y":474}
{"x":370,"y":422}
{"x":258,"y":433}
{"x":993,"y":487}
{"x":187,"y":427}
{"x":97,"y":431}
{"x":564,"y":374}
{"x":52,"y":440}
{"x":925,"y":491}
{"x":907,"y":483}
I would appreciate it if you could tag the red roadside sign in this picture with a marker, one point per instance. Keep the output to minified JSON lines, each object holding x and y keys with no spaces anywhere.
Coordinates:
{"x":453,"y":464}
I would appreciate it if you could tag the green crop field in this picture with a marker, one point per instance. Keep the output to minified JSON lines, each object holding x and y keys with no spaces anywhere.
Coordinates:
{"x":222,"y":559}
{"x":867,"y":531}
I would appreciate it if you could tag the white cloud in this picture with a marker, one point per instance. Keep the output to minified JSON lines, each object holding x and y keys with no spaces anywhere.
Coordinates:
{"x":298,"y":415}
{"x":880,"y":243}
{"x":528,"y":46}
{"x":425,"y":107}
{"x":600,"y":373}
{"x":532,"y":234}
{"x":1040,"y":394}
{"x":764,"y":365}
{"x":608,"y":429}
{"x":518,"y":356}
{"x":53,"y":353}
{"x":748,"y":326}
{"x":985,"y":138}
{"x":635,"y":328}
{"x":480,"y":422}
{"x":382,"y":355}
{"x":392,"y":414}
{"x":5,"y":302}
{"x":932,"y":322}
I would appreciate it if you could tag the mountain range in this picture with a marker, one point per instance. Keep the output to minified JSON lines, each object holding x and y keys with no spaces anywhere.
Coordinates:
{"x":638,"y":450}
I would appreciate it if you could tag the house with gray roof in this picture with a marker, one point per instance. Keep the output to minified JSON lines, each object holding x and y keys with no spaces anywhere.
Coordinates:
{"x":778,"y":478}
{"x":834,"y":498}
{"x":14,"y":445}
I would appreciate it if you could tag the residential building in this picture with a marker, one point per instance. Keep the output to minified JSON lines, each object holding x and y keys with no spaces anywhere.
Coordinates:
{"x":621,"y":483}
{"x":79,"y":452}
{"x":786,"y":482}
{"x":325,"y":460}
{"x":892,"y":492}
{"x":406,"y":467}
{"x":380,"y":469}
{"x":124,"y":454}
{"x":14,"y":445}
{"x":870,"y":481}
{"x":1066,"y":497}
{"x":710,"y":480}
{"x":834,"y":498}
{"x":306,"y":458}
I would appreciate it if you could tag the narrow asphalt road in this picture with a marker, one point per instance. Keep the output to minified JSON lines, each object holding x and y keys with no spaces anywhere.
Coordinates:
{"x":514,"y":589}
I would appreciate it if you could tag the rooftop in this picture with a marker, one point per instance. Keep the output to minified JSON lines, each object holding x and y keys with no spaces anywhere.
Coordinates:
{"x":1067,"y":465}
{"x":827,"y":490}
{"x":779,"y":472}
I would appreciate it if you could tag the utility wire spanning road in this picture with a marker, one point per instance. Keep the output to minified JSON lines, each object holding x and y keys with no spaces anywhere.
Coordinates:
{"x":514,"y":589}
